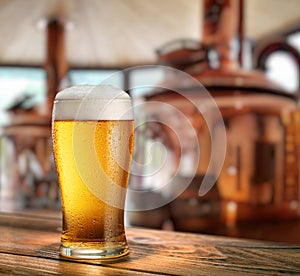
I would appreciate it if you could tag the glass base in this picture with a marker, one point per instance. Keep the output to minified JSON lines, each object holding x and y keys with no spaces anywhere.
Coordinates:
{"x":93,"y":252}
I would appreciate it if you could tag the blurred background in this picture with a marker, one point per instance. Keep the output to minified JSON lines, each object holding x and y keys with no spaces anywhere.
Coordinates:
{"x":245,"y":53}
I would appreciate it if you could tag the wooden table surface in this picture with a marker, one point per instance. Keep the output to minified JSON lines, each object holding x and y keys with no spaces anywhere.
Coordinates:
{"x":29,"y":246}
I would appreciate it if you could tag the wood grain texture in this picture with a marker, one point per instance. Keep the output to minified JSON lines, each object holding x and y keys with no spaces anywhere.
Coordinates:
{"x":29,"y":246}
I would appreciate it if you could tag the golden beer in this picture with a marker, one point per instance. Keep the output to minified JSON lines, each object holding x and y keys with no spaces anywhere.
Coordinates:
{"x":93,"y":159}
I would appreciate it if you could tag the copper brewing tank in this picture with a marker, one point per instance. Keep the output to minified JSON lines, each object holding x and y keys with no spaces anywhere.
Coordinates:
{"x":260,"y":176}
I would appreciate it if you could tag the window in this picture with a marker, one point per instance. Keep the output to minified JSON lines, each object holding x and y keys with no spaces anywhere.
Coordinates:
{"x":294,"y":40}
{"x":144,"y":79}
{"x":23,"y":85}
{"x":283,"y":70}
{"x":96,"y":76}
{"x":282,"y":66}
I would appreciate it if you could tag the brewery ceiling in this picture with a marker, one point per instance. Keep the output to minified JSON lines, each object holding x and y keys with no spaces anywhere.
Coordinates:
{"x":120,"y":33}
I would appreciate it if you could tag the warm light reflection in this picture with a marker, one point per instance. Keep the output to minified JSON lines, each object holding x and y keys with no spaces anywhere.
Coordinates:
{"x":231,"y":212}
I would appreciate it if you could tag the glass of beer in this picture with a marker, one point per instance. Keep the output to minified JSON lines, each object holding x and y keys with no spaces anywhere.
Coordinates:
{"x":92,"y":132}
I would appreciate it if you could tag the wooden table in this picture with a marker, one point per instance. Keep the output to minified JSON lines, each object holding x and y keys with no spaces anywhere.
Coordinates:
{"x":29,"y":246}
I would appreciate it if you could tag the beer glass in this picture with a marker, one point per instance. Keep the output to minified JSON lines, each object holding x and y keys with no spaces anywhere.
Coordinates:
{"x":92,"y":132}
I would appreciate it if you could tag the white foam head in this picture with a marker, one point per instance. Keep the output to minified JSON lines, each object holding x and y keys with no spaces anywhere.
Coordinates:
{"x":92,"y":102}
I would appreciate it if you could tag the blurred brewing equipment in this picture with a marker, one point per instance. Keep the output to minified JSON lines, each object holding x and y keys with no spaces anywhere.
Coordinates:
{"x":260,"y":176}
{"x":31,"y":180}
